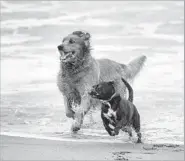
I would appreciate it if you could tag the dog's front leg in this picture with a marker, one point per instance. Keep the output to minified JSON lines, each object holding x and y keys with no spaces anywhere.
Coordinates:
{"x":106,"y":124}
{"x":68,"y":107}
{"x":109,"y":129}
{"x":72,"y":98}
{"x":80,"y":111}
{"x":84,"y":87}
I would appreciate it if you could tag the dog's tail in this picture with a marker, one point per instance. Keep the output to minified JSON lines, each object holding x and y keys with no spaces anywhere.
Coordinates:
{"x":134,"y":67}
{"x":130,"y":90}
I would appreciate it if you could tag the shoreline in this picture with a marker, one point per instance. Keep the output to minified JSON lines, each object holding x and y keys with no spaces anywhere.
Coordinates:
{"x":76,"y":139}
{"x":22,"y":148}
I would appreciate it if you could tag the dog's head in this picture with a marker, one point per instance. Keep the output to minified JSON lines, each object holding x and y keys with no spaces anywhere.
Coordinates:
{"x":103,"y":91}
{"x":74,"y":47}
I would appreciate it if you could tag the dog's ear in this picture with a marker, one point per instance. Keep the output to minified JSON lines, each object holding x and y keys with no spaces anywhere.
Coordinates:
{"x":83,"y":35}
{"x":78,"y":33}
{"x":87,"y":36}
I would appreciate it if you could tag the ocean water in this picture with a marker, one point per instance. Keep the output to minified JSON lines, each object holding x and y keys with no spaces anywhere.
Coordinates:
{"x":31,"y":104}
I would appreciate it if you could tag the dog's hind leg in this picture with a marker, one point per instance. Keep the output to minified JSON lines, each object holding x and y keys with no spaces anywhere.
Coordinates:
{"x":139,"y":137}
{"x":128,"y":130}
{"x":136,"y":125}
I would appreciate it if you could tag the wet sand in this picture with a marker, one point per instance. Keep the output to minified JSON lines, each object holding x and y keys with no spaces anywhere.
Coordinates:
{"x":20,"y":148}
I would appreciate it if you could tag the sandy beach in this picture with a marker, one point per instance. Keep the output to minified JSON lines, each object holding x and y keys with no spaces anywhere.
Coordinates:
{"x":19,"y":148}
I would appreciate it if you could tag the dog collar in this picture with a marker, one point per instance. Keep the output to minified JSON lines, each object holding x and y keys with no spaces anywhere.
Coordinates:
{"x":107,"y":101}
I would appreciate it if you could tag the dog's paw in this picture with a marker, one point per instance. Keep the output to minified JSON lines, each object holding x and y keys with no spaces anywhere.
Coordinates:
{"x":112,"y":133}
{"x":75,"y":129}
{"x":116,"y":131}
{"x":75,"y":126}
{"x":139,"y":141}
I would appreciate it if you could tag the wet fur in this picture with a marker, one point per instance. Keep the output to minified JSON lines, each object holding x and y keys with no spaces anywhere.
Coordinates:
{"x":77,"y":76}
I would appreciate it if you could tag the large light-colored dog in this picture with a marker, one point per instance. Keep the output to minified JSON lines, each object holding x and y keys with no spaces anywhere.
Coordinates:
{"x":79,"y":71}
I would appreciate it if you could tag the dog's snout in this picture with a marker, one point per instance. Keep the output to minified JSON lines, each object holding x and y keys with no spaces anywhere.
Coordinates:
{"x":91,"y":92}
{"x":60,"y":47}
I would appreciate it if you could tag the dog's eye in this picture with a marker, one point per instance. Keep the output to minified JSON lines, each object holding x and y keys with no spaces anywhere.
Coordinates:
{"x":71,"y":41}
{"x":98,"y":89}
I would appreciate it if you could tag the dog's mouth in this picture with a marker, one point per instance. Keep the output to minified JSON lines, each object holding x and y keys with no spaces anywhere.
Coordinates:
{"x":94,"y":94}
{"x":66,"y":56}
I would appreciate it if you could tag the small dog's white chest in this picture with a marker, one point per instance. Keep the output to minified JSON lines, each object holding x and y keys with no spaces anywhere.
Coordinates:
{"x":110,"y":114}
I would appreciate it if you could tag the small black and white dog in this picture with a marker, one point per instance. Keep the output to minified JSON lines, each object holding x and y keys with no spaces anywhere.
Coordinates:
{"x":117,"y":111}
